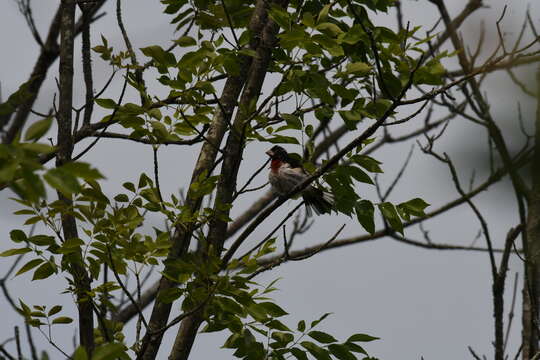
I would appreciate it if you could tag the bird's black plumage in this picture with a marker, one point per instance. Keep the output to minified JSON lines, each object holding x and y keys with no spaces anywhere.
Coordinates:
{"x":287,"y":172}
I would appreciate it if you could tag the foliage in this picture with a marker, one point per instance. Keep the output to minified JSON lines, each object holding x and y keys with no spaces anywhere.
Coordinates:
{"x":332,"y":64}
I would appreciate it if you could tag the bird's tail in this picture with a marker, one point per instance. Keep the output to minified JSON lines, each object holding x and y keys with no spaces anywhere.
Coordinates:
{"x":318,"y":200}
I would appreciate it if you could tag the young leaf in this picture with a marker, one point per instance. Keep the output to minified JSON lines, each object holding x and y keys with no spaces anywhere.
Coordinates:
{"x":273,"y":309}
{"x":361,"y":338}
{"x":17,"y":235}
{"x":62,"y":320}
{"x":414,"y":207}
{"x":44,"y":271}
{"x":29,"y":266}
{"x":12,"y":252}
{"x":80,"y":354}
{"x":62,"y":180}
{"x":109,"y":351}
{"x":365,"y":215}
{"x":341,"y":352}
{"x":322,"y":337}
{"x":299,"y":354}
{"x":316,"y":322}
{"x":54,"y":310}
{"x":391,"y":215}
{"x":318,"y":352}
{"x":38,"y":129}
{"x":106,"y":103}
{"x":185,"y":41}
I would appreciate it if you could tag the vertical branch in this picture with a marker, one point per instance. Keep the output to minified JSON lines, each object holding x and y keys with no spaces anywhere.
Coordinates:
{"x":532,"y":289}
{"x":87,"y":65}
{"x":133,"y":57}
{"x":531,"y":286}
{"x":182,"y":234}
{"x":232,"y":157}
{"x":65,"y":150}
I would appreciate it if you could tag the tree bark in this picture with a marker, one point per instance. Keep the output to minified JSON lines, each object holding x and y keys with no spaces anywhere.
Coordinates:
{"x":265,"y":40}
{"x":531,"y":287}
{"x":182,"y":236}
{"x":65,"y":145}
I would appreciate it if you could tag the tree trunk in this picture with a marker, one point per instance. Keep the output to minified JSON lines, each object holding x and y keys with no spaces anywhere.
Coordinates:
{"x":531,"y":287}
{"x":65,"y":149}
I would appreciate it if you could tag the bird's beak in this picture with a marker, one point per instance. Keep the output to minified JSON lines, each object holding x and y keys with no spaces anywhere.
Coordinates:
{"x":270,"y":153}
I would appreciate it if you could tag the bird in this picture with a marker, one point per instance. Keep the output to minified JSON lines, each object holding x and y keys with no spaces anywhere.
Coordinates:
{"x":286,"y":172}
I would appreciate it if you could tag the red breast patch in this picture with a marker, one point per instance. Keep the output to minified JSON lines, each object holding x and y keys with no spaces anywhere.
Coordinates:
{"x":275,"y":165}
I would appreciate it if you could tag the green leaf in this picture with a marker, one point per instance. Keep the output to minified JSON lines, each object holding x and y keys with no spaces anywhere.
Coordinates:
{"x":24,"y":309}
{"x":277,"y":325}
{"x":229,"y":305}
{"x":29,"y":266}
{"x":414,"y":207}
{"x":280,"y":139}
{"x":17,"y":235}
{"x":359,"y":175}
{"x":15,"y":99}
{"x":82,"y":170}
{"x":106,"y":103}
{"x":329,"y":28}
{"x":108,"y":351}
{"x":341,"y":352}
{"x":12,"y":252}
{"x":32,"y":220}
{"x":322,"y":337}
{"x":38,"y":129}
{"x":318,"y":352}
{"x":355,"y":348}
{"x":160,"y":56}
{"x":360,"y":68}
{"x":280,"y":17}
{"x":323,"y":13}
{"x":353,"y":36}
{"x":299,"y":354}
{"x":62,"y":180}
{"x":293,"y":121}
{"x":121,"y":198}
{"x":42,"y":240}
{"x":273,"y":309}
{"x":80,"y":354}
{"x":54,"y":310}
{"x":7,"y":171}
{"x":185,"y":41}
{"x":38,"y":148}
{"x":316,"y":322}
{"x":44,"y":271}
{"x":34,"y":322}
{"x":283,"y":337}
{"x":368,"y":163}
{"x":365,"y":215}
{"x":129,"y":186}
{"x":389,"y":212}
{"x":301,"y":326}
{"x":361,"y":338}
{"x":62,"y":320}
{"x":248,"y":52}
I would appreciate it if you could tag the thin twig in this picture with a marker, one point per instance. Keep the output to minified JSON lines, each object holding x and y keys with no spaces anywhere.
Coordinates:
{"x":257,"y":172}
{"x":156,"y":174}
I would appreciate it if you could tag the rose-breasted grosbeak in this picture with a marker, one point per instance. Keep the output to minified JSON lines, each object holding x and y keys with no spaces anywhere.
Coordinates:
{"x":286,"y":172}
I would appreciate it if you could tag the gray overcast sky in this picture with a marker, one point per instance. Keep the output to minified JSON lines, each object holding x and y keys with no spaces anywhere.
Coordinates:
{"x":420,"y":302}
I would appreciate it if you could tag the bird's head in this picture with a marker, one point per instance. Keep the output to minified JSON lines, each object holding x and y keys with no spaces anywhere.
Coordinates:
{"x":277,"y":153}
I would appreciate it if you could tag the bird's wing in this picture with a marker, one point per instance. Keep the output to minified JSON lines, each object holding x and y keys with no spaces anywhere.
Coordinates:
{"x":293,"y":175}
